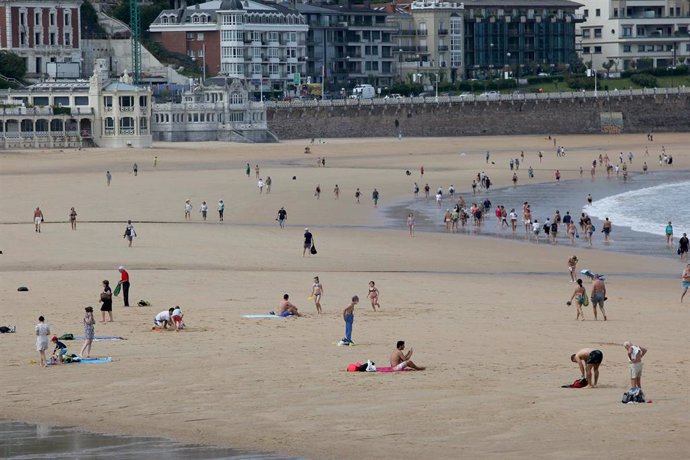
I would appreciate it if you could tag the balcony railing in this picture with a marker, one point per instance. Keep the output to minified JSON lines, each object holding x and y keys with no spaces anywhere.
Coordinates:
{"x":443,"y":47}
{"x":443,"y":31}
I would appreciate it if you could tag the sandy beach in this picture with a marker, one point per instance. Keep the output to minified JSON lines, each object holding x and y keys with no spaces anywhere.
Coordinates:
{"x":486,"y":316}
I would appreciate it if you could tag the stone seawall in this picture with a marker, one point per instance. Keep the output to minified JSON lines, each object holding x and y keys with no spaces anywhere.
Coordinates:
{"x":639,"y":113}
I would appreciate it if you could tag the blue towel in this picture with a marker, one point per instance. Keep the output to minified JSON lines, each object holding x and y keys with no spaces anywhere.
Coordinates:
{"x":262,"y":316}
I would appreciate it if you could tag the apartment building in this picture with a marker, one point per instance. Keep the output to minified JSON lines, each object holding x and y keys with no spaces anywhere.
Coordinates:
{"x":41,"y":31}
{"x":634,"y":34}
{"x":261,"y":43}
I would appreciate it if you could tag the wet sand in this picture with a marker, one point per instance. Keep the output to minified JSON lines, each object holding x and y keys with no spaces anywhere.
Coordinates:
{"x":487,"y":316}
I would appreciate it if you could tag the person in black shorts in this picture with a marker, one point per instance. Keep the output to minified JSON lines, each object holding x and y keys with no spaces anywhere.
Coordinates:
{"x":308,"y":242}
{"x":589,"y":361}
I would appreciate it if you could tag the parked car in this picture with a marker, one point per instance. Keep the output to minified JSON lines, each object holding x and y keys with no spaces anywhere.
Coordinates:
{"x":465,"y":95}
{"x":490,"y":95}
{"x":393,"y":96}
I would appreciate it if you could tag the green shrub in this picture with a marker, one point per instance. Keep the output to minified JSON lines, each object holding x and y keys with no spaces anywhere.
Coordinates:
{"x":644,"y":80}
{"x":578,"y":83}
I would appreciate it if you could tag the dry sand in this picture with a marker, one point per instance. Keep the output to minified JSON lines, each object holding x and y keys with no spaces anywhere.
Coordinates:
{"x":497,"y":345}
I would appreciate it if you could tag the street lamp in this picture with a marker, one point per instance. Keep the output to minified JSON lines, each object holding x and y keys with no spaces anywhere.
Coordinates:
{"x":400,"y":66}
{"x":510,"y":67}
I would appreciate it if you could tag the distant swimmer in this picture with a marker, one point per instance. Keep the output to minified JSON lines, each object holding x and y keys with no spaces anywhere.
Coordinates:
{"x":589,"y":361}
{"x":400,"y":361}
{"x":589,"y":199}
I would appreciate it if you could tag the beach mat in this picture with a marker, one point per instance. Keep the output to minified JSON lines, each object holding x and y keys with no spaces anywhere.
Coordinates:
{"x":263,"y":316}
{"x":86,"y":361}
{"x":101,"y":338}
{"x":390,"y":369}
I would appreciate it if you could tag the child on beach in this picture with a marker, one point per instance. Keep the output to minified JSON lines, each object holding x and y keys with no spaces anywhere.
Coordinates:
{"x":60,"y":350}
{"x":349,"y":317}
{"x":374,"y":295}
{"x":176,"y":317}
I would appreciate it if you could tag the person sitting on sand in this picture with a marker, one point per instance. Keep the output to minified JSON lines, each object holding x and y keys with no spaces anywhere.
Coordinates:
{"x":164,"y":319}
{"x":285,"y":308}
{"x":588,"y":360}
{"x":400,"y":361}
{"x":60,"y":350}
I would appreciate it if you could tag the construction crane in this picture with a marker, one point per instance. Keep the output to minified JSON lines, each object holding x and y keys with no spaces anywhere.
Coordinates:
{"x":135,"y":27}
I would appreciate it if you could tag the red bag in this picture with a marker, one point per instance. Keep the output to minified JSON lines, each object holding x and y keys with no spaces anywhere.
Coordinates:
{"x":352,"y":367}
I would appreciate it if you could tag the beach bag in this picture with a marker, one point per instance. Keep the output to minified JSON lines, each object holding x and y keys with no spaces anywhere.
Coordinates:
{"x":586,"y":302}
{"x":313,"y":249}
{"x":66,"y":337}
{"x":144,"y":303}
{"x":127,"y":232}
{"x":116,"y":292}
{"x":634,"y":395}
{"x":352,"y":367}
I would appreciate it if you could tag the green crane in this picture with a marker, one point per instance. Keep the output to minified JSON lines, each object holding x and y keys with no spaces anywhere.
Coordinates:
{"x":135,"y":26}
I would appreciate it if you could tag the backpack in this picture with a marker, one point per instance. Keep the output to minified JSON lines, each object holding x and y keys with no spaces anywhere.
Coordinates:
{"x":634,"y":395}
{"x":66,"y":337}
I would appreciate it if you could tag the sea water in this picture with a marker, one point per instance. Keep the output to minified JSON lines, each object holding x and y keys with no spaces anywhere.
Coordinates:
{"x":23,"y":441}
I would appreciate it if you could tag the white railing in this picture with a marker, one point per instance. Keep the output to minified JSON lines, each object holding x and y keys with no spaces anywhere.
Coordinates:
{"x":478,"y":98}
{"x":127,"y":131}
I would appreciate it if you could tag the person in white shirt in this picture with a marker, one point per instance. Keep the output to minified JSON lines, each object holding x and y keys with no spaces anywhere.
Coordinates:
{"x":163,"y":319}
{"x":536,"y":228}
{"x":176,"y":317}
{"x":187,"y":210}
{"x":203,"y":210}
{"x":513,"y":219}
{"x":260,"y":184}
{"x":221,"y":210}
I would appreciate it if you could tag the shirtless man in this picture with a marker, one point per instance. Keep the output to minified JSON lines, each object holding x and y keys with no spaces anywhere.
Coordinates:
{"x":38,"y":219}
{"x":598,"y":296}
{"x":401,"y":361}
{"x":572,"y":267}
{"x":607,"y":229}
{"x":588,"y":359}
{"x":285,"y":308}
{"x":635,"y":354}
{"x":685,"y":284}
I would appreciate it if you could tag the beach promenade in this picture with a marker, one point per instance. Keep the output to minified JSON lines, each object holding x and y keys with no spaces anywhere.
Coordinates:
{"x":487,"y":317}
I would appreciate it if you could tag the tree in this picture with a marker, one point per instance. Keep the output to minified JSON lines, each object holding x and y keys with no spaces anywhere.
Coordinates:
{"x":12,"y":65}
{"x":607,"y":66}
{"x":89,"y":21}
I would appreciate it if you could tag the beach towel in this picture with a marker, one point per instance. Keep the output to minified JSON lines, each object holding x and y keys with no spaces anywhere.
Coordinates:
{"x":101,"y":338}
{"x":81,"y":361}
{"x":263,"y":316}
{"x":390,"y":369}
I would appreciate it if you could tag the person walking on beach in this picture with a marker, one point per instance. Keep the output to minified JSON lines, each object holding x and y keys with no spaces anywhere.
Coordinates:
{"x":130,"y":233}
{"x":400,"y":361}
{"x":588,"y":361}
{"x":572,"y":268}
{"x":558,"y":175}
{"x":336,"y":192}
{"x":357,"y":195}
{"x":685,"y":282}
{"x":269,"y":181}
{"x":108,"y":177}
{"x":38,"y":219}
{"x":282,"y":217}
{"x":256,"y":171}
{"x":73,"y":218}
{"x":683,"y":246}
{"x":373,"y":295}
{"x":580,"y":297}
{"x":221,"y":210}
{"x":187,"y":210}
{"x":589,"y":199}
{"x":421,"y":171}
{"x":607,"y":229}
{"x":106,"y":302}
{"x":155,"y":161}
{"x":427,"y":189}
{"x":89,"y":332}
{"x":375,"y":197}
{"x":260,"y":185}
{"x":308,"y":242}
{"x":42,"y":332}
{"x":248,"y":170}
{"x":317,"y":191}
{"x":415,"y":190}
{"x":536,"y":228}
{"x":635,"y":354}
{"x":410,"y":223}
{"x":669,"y":235}
{"x":135,"y":169}
{"x":316,"y":293}
{"x":598,"y":296}
{"x":203,"y":209}
{"x":349,"y":318}
{"x":124,"y":284}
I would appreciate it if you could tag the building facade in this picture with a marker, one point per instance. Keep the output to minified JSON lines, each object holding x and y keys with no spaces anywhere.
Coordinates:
{"x":41,"y":31}
{"x":218,"y":110}
{"x":262,"y":44}
{"x":631,"y":34}
{"x":98,"y":112}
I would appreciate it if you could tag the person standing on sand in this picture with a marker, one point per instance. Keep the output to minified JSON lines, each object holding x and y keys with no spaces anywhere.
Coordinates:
{"x":588,"y":360}
{"x":579,"y":295}
{"x":256,"y":171}
{"x":260,"y":185}
{"x":635,"y":354}
{"x":669,"y":235}
{"x":269,"y":181}
{"x":558,"y":175}
{"x":130,"y":233}
{"x":308,"y":242}
{"x":42,"y":333}
{"x":248,"y":170}
{"x":373,"y":295}
{"x":38,"y":219}
{"x":427,"y":189}
{"x":410,"y":223}
{"x":316,"y":293}
{"x":282,"y":217}
{"x":203,"y":209}
{"x":187,"y":210}
{"x":375,"y":197}
{"x":421,"y":171}
{"x":349,"y":318}
{"x":108,"y":177}
{"x":336,"y":192}
{"x":400,"y":361}
{"x":598,"y":296}
{"x":683,"y":246}
{"x":155,"y":161}
{"x":607,"y":229}
{"x":73,"y":218}
{"x":685,"y":283}
{"x":106,"y":301}
{"x":572,"y":268}
{"x":124,"y":283}
{"x":135,"y":169}
{"x":317,"y":191}
{"x":89,"y":332}
{"x":221,"y":210}
{"x":357,"y":195}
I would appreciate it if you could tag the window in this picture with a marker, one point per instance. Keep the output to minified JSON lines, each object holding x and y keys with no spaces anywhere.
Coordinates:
{"x":190,"y":35}
{"x":143,"y":101}
{"x":256,"y":68}
{"x":597,"y":12}
{"x":68,"y":38}
{"x":586,"y":33}
{"x":81,"y":100}
{"x":585,"y":49}
{"x":200,"y":36}
{"x":201,"y":53}
{"x":627,"y":31}
{"x":190,"y":53}
{"x":68,"y":19}
{"x":586,"y":14}
{"x":256,"y":36}
{"x":274,"y":53}
{"x":640,"y":31}
{"x":615,"y":12}
{"x":626,"y":48}
{"x":256,"y":52}
{"x":597,"y":33}
{"x":37,"y":19}
{"x":52,"y":38}
{"x":22,"y":18}
{"x":640,"y":48}
{"x":164,"y":20}
{"x":52,"y":18}
{"x":37,"y":39}
{"x":108,"y":102}
{"x":597,"y":50}
{"x":273,"y":36}
{"x":273,"y":69}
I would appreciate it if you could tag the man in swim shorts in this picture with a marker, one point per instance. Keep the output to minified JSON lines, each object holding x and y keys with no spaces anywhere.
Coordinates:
{"x":635,"y":354}
{"x":400,"y":361}
{"x":588,"y":360}
{"x":285,"y":308}
{"x":606,"y":228}
{"x":685,"y":283}
{"x":38,"y":219}
{"x":598,"y":296}
{"x":308,"y":242}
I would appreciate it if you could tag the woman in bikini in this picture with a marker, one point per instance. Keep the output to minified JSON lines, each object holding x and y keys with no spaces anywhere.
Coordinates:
{"x":579,"y":295}
{"x":316,"y":293}
{"x":410,"y":223}
{"x":374,"y":295}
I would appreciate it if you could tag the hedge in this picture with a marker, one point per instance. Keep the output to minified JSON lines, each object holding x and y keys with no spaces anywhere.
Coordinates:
{"x":644,"y":80}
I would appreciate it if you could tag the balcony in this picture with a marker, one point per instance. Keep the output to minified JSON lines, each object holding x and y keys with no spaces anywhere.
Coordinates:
{"x":443,"y":48}
{"x":443,"y":31}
